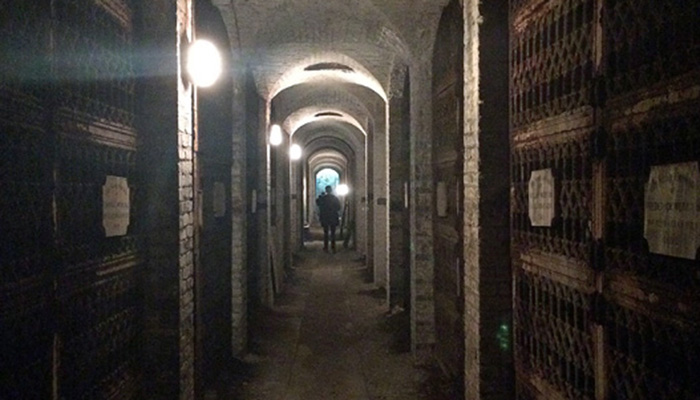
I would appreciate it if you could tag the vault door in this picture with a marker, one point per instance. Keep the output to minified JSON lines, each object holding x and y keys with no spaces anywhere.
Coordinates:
{"x":552,"y":124}
{"x":71,"y":262}
{"x":604,"y":130}
{"x":213,"y":204}
{"x":26,"y":243}
{"x":448,"y":155}
{"x":98,"y":197}
{"x":651,"y":137}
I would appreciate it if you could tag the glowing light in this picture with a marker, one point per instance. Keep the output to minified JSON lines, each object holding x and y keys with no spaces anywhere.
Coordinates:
{"x":203,"y":63}
{"x":342,"y":189}
{"x":295,"y":152}
{"x":275,"y":135}
{"x":503,"y":337}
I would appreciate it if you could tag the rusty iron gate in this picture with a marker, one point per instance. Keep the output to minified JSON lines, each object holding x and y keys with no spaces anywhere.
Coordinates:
{"x":70,"y":308}
{"x":604,"y":95}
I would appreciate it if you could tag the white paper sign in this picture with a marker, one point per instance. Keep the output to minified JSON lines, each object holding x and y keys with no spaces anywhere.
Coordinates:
{"x":219,"y":199}
{"x":115,"y":206}
{"x":540,"y":196}
{"x":671,"y":210}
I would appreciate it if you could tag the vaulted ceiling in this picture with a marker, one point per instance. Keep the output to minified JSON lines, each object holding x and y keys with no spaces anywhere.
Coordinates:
{"x":311,"y":57}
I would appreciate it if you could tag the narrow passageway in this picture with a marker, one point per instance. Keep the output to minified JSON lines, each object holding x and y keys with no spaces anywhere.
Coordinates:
{"x":328,"y":337}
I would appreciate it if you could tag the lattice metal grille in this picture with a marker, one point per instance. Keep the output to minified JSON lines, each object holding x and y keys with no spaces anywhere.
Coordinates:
{"x":94,"y":65}
{"x":523,"y":392}
{"x":551,"y":58}
{"x":571,"y":167}
{"x":633,"y":150}
{"x":79,"y":202}
{"x":646,"y":113}
{"x":67,"y":61}
{"x":26,"y":336}
{"x":26,"y":342}
{"x":100,"y":334}
{"x":649,"y":41}
{"x":553,"y":334}
{"x":25,"y":152}
{"x":651,"y":359}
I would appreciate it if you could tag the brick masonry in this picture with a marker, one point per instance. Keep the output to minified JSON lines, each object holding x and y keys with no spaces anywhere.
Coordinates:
{"x":380,"y":188}
{"x":421,"y":210}
{"x":239,"y":220}
{"x":169,"y":303}
{"x":487,"y":283}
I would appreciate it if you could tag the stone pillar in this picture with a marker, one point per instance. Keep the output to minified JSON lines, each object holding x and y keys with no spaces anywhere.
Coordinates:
{"x":278,"y":222}
{"x":369,"y":201}
{"x":399,"y":175}
{"x":295,"y":198}
{"x":487,"y":281}
{"x":380,"y":190}
{"x":361,"y":200}
{"x":360,"y":192}
{"x":265,"y":285}
{"x":239,"y":209}
{"x":166,"y":125}
{"x":421,"y":209}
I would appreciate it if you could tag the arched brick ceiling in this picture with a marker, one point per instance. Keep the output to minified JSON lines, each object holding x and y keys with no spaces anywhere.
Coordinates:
{"x":299,"y":105}
{"x":327,"y":156}
{"x":339,"y":130}
{"x":306,"y":116}
{"x":328,"y":159}
{"x":330,"y":143}
{"x":331,"y":67}
{"x":278,"y":37}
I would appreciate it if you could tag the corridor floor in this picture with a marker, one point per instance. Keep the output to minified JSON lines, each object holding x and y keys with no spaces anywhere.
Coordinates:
{"x":329,"y":337}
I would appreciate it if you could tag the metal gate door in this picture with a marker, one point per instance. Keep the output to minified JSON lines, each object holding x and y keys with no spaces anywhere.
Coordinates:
{"x":448,"y":155}
{"x":70,"y":277}
{"x":604,"y":96}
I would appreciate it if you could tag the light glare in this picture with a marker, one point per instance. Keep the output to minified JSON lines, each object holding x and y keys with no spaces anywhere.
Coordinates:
{"x":275,"y":135}
{"x":203,"y":63}
{"x":342,"y":189}
{"x":295,"y":152}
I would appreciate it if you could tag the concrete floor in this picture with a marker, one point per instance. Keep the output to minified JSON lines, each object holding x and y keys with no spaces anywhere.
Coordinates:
{"x":328,"y":337}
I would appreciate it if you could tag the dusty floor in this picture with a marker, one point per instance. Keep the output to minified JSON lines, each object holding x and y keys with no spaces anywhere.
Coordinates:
{"x":329,"y":337}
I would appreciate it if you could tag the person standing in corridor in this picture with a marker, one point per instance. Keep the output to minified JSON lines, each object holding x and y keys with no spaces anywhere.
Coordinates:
{"x":329,"y":207}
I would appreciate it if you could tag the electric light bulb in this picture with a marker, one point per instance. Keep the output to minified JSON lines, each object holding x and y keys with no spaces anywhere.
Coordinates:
{"x":295,"y":152}
{"x":203,"y":63}
{"x":342,"y":189}
{"x":275,"y":135}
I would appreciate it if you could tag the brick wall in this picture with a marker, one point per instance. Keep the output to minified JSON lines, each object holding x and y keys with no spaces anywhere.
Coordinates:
{"x":239,"y":210}
{"x":380,"y":187}
{"x":169,"y":312}
{"x":421,"y":208}
{"x":487,"y":284}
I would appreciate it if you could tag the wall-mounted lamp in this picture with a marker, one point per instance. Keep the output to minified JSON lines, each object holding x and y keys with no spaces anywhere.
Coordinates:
{"x":275,"y":135}
{"x":342,"y":189}
{"x":295,"y":152}
{"x":203,"y":63}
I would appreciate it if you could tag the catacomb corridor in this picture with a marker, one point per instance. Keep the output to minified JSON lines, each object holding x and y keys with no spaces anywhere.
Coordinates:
{"x":519,"y":182}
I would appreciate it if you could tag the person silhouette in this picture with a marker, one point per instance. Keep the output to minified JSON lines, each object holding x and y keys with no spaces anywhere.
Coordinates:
{"x":329,"y":206}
